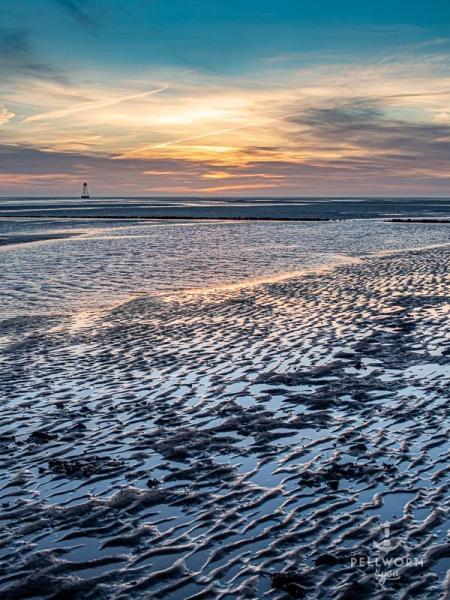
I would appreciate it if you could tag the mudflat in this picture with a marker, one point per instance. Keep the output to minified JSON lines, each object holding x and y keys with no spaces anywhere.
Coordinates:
{"x":240,"y":442}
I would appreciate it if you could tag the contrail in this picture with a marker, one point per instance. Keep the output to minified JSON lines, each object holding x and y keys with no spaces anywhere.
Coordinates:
{"x":255,"y":124}
{"x":215,"y":132}
{"x":64,"y":112}
{"x":418,"y":95}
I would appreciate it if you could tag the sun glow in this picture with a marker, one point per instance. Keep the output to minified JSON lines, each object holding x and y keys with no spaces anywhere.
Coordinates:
{"x":182,"y":135}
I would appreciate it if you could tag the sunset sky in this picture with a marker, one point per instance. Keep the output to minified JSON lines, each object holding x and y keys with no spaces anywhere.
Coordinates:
{"x":225,"y":97}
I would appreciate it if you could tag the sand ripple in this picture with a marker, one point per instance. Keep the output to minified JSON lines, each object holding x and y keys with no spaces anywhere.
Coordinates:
{"x":244,"y":443}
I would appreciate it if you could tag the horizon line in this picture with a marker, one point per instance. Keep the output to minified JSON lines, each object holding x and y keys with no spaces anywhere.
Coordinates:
{"x":203,"y":197}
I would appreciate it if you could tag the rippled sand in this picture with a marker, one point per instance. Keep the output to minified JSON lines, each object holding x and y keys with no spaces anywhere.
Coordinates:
{"x":243,"y":443}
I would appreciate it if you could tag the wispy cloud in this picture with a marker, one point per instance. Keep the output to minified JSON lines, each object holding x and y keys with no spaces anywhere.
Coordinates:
{"x":18,"y":57}
{"x":82,"y":11}
{"x":359,"y":127}
{"x":5,"y":115}
{"x":239,"y":187}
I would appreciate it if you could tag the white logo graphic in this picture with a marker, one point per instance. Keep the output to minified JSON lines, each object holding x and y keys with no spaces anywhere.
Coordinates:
{"x":387,"y":568}
{"x":386,"y":543}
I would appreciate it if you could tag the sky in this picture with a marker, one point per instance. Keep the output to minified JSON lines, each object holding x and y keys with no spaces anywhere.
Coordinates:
{"x":225,"y":97}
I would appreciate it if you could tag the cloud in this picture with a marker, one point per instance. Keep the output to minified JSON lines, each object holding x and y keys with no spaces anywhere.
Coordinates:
{"x":21,"y":159}
{"x":27,"y":170}
{"x":5,"y":115}
{"x":17,"y":57}
{"x":442,"y":117}
{"x":239,"y":187}
{"x":81,"y":11}
{"x":362,"y":128}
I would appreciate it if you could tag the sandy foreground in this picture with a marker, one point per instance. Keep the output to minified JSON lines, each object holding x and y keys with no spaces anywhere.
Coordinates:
{"x":289,"y":439}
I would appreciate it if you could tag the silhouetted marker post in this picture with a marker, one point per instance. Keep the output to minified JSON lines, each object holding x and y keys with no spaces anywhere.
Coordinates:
{"x":84,"y":191}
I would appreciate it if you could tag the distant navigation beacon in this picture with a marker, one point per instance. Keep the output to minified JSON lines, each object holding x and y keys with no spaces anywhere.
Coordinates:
{"x":84,"y":191}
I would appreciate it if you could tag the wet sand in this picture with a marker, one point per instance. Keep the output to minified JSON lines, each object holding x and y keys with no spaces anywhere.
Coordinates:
{"x":242,"y":443}
{"x":107,"y":217}
{"x":419,"y":221}
{"x":28,"y":238}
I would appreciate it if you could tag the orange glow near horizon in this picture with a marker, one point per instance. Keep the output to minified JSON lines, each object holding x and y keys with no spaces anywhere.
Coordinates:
{"x":177,"y":135}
